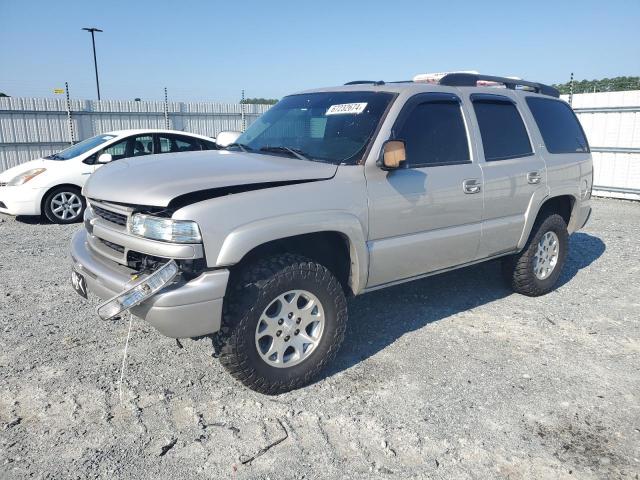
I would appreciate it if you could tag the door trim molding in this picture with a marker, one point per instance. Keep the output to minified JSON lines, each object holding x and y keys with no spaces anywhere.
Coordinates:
{"x":436,"y":272}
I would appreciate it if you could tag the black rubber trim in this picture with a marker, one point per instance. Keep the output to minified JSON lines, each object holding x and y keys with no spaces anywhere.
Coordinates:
{"x":491,"y":98}
{"x":208,"y":194}
{"x":435,"y":164}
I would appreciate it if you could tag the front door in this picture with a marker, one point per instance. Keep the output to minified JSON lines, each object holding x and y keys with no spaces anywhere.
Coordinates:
{"x":426,"y":215}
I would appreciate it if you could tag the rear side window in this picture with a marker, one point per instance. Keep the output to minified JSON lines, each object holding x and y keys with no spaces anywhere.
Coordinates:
{"x":177,"y":143}
{"x":558,"y":125}
{"x":503,"y":132}
{"x":208,"y":144}
{"x":434,"y":134}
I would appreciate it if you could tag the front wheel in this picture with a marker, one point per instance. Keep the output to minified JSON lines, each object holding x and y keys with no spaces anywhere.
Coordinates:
{"x":284,"y":320}
{"x":64,"y":205}
{"x":536,"y":269}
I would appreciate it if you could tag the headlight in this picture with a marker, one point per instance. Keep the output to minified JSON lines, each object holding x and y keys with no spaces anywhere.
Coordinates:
{"x":165,"y":229}
{"x":24,"y":177}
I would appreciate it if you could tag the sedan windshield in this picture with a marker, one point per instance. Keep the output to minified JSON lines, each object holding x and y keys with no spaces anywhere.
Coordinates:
{"x":332,"y":127}
{"x":80,"y":148}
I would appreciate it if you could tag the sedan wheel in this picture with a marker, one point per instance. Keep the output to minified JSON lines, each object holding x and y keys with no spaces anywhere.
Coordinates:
{"x":64,"y":205}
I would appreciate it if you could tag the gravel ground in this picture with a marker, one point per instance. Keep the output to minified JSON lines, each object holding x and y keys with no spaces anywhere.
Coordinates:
{"x":448,"y":377}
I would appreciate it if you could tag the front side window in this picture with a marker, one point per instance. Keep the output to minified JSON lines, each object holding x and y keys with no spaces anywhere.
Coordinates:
{"x":118,"y":150}
{"x":129,"y":147}
{"x":332,"y":127}
{"x":558,"y":126}
{"x":142,"y":145}
{"x":503,"y":132}
{"x":80,"y":148}
{"x":435,"y":134}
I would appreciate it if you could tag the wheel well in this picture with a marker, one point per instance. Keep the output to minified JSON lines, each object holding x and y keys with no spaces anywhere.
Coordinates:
{"x":562,"y":205}
{"x":330,"y":249}
{"x":46,"y":194}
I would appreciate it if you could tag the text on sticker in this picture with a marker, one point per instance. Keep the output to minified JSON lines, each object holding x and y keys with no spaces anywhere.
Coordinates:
{"x":346,"y":108}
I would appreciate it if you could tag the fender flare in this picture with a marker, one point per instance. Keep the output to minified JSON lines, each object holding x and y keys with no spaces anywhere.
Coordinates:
{"x":249,"y":236}
{"x":536,"y":204}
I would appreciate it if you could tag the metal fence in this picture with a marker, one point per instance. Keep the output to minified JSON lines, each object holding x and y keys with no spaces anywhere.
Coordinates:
{"x":34,"y":127}
{"x":611,"y":121}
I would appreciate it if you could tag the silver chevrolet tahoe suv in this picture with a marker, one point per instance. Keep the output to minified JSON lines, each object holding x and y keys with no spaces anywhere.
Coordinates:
{"x":332,"y":193}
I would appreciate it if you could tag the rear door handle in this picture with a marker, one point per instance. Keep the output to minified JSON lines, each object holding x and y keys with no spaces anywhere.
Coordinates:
{"x":471,"y":186}
{"x":534,"y":177}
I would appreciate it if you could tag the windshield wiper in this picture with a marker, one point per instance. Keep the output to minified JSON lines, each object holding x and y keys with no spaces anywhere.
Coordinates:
{"x":241,"y":146}
{"x":54,"y":156}
{"x":292,"y":151}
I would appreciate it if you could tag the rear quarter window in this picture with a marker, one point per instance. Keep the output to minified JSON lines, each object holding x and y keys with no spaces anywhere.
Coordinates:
{"x":558,"y":126}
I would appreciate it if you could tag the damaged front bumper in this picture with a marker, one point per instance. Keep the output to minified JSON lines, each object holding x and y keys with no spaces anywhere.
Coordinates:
{"x":182,"y":309}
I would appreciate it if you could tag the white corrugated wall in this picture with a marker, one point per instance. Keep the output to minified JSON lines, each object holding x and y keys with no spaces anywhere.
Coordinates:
{"x":611,"y":121}
{"x":34,"y":127}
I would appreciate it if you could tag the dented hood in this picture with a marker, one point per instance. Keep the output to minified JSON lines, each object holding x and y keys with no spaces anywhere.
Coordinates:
{"x":155,"y":180}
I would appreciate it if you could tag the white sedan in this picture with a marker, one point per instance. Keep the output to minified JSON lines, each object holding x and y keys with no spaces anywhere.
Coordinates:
{"x":52,"y":185}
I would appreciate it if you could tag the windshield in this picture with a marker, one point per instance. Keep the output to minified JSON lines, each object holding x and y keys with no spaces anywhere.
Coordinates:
{"x":333,"y":127}
{"x":80,"y":148}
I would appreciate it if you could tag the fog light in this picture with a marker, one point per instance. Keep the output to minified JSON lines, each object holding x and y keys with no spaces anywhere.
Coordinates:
{"x":138,"y":292}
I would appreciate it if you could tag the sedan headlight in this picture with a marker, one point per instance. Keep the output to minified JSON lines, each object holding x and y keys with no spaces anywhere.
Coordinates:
{"x":165,"y":229}
{"x":24,"y":177}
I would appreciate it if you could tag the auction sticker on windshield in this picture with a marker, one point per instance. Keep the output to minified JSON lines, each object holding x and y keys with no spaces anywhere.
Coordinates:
{"x":346,"y":108}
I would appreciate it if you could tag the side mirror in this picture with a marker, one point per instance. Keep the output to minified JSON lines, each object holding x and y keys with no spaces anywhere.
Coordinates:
{"x":105,"y":158}
{"x":393,"y":154}
{"x":226,"y":138}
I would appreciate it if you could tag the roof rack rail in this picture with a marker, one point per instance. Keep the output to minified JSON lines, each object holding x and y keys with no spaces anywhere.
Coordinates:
{"x":363,"y":82}
{"x":471,"y":80}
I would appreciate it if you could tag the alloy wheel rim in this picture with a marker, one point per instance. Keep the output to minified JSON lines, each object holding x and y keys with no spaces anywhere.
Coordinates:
{"x":66,"y":205}
{"x":290,"y":328}
{"x":546,"y":257}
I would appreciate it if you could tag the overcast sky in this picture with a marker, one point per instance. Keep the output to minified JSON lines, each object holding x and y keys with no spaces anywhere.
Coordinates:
{"x":211,"y":50}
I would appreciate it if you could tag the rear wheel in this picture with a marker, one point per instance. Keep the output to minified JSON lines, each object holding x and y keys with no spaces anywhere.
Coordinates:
{"x":284,"y":320}
{"x":536,"y":269}
{"x":64,"y":205}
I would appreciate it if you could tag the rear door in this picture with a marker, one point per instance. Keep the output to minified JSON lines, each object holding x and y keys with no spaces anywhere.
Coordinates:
{"x":514,"y":174}
{"x":426,"y":215}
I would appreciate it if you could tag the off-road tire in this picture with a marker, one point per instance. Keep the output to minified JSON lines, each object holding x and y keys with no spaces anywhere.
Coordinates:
{"x":47,"y":207}
{"x":518,"y":269}
{"x":250,"y":291}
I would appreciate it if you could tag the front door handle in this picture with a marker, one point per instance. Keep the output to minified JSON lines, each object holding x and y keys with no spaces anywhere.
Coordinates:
{"x":534,"y":177}
{"x":471,"y":186}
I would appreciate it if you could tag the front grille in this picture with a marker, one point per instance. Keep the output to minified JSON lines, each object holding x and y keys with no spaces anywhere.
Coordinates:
{"x":110,"y":216}
{"x":113,"y":246}
{"x":3,"y":184}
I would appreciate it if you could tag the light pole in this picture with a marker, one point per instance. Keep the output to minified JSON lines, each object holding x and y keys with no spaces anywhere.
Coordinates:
{"x":95,"y":62}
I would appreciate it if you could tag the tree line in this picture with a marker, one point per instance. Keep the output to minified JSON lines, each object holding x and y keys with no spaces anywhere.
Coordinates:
{"x":259,"y":101}
{"x":615,"y":84}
